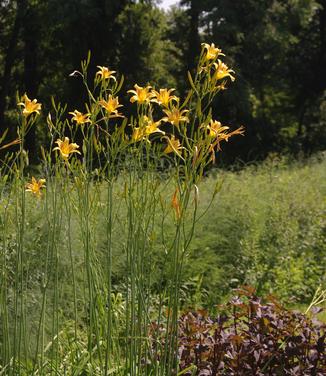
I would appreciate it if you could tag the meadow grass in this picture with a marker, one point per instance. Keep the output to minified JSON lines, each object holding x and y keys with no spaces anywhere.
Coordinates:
{"x":266,"y":228}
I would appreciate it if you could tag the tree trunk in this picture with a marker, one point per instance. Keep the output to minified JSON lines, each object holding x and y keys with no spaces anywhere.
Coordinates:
{"x":31,"y":79}
{"x":322,"y":36}
{"x":194,"y":40}
{"x":9,"y":60}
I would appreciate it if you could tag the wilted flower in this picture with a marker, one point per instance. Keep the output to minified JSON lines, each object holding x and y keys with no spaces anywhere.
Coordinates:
{"x":105,"y":73}
{"x":29,"y":106}
{"x":11,"y":143}
{"x":175,"y":116}
{"x":111,"y":105}
{"x":212,"y":152}
{"x":80,"y":118}
{"x":66,"y":148}
{"x":164,"y":97}
{"x":175,"y":203}
{"x":35,"y":186}
{"x":195,"y":156}
{"x":221,"y":86}
{"x":239,"y":131}
{"x":141,"y":94}
{"x":212,"y":52}
{"x":222,"y":71}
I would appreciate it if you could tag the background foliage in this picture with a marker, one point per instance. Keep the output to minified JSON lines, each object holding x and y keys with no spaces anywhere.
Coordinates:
{"x":276,"y":47}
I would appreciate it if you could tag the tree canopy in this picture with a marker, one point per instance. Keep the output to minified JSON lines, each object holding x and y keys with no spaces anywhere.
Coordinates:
{"x":277,"y":49}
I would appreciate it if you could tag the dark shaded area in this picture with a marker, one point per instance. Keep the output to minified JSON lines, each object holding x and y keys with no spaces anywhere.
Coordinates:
{"x":277,"y":48}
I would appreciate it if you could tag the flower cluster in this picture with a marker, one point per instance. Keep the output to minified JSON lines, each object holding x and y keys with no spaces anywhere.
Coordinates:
{"x":147,"y":126}
{"x":188,"y":132}
{"x":171,"y":108}
{"x":216,"y":70}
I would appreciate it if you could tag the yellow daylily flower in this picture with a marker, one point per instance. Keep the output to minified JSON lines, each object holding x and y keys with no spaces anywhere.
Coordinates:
{"x":175,"y":116}
{"x":111,"y":105}
{"x":164,"y":97}
{"x":141,"y":94}
{"x":219,"y":132}
{"x":137,"y":134}
{"x":80,"y":118}
{"x":35,"y":186}
{"x":147,"y":127}
{"x":105,"y":73}
{"x":212,"y":52}
{"x":215,"y":128}
{"x":65,"y":148}
{"x":29,"y":106}
{"x":174,"y":146}
{"x":152,"y":126}
{"x":222,"y":71}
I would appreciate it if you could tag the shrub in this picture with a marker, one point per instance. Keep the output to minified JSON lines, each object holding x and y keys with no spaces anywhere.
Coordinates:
{"x":251,"y":337}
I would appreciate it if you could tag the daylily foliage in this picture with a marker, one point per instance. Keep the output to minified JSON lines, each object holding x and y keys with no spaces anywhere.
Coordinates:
{"x":164,"y":147}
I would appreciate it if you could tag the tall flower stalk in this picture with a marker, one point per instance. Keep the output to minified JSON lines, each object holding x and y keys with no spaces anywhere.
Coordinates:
{"x":112,"y":191}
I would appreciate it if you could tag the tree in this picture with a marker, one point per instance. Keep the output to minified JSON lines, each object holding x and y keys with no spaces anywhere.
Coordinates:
{"x":13,"y":22}
{"x":143,"y":48}
{"x":274,"y":52}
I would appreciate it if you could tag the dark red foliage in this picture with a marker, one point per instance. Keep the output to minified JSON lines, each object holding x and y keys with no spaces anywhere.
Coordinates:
{"x":252,"y":338}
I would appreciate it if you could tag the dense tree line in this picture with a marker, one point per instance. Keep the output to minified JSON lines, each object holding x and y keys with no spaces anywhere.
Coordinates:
{"x":277,"y":48}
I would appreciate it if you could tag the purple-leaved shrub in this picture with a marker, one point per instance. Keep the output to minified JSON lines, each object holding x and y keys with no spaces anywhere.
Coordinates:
{"x":251,"y":337}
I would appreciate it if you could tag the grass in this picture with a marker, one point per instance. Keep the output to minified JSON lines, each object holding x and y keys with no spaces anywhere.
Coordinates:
{"x":266,"y":228}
